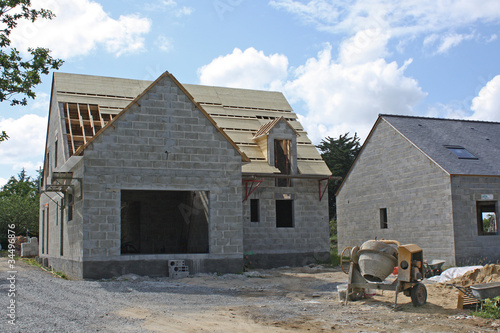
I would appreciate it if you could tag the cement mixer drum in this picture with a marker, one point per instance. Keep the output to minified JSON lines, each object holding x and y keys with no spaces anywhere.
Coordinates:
{"x":377,"y":260}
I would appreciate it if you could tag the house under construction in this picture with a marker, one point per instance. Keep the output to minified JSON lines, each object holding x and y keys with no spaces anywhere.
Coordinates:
{"x":139,"y":173}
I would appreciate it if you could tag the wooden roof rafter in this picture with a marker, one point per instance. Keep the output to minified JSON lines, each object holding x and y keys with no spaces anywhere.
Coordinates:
{"x":83,"y":122}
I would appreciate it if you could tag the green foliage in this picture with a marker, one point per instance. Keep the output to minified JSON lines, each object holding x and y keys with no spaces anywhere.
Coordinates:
{"x":339,"y":154}
{"x":19,"y":205}
{"x":19,"y":76}
{"x":333,"y":228}
{"x":490,"y":309}
{"x":3,"y":136}
{"x":335,"y":258}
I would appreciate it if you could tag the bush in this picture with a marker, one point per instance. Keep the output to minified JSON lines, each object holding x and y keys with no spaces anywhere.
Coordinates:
{"x":490,"y":309}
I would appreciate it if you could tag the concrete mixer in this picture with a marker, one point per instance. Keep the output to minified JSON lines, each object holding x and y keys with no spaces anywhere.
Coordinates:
{"x":372,"y":262}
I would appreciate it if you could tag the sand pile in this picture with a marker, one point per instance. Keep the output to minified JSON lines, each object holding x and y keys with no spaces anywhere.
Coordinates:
{"x":486,"y":274}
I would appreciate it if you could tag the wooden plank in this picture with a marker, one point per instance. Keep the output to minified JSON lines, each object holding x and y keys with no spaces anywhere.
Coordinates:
{"x":465,"y":301}
{"x":81,"y":123}
{"x":70,"y":129}
{"x":100,"y":116}
{"x":91,"y":120}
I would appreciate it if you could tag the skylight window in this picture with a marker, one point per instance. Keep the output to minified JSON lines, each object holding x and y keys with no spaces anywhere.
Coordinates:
{"x":461,"y":152}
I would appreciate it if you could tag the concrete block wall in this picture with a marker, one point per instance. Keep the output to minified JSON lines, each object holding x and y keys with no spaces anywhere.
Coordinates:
{"x":50,"y":212}
{"x":391,"y":173}
{"x":306,"y":242}
{"x":471,"y":248}
{"x":30,"y":248}
{"x":163,"y":142}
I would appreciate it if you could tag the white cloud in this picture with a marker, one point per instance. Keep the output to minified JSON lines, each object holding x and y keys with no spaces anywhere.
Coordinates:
{"x":3,"y":181}
{"x":344,"y":97}
{"x":245,"y":69}
{"x":332,"y":97}
{"x":491,"y":38}
{"x":170,"y":6}
{"x":26,"y":143}
{"x":366,"y":45}
{"x":452,"y":40}
{"x":443,"y":43}
{"x":398,"y":19}
{"x":81,"y":26}
{"x":41,"y":102}
{"x":486,"y":105}
{"x":164,"y":43}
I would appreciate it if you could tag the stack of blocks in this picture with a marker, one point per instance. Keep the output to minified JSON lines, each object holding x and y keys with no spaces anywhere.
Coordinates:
{"x":177,"y":269}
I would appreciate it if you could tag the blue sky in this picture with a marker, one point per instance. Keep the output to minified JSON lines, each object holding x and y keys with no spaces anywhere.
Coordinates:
{"x":339,"y":63}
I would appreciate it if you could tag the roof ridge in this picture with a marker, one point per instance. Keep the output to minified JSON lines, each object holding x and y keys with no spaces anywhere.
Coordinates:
{"x":437,"y":118}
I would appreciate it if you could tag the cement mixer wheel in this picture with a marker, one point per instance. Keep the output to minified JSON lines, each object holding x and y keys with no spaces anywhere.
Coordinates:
{"x":418,"y":294}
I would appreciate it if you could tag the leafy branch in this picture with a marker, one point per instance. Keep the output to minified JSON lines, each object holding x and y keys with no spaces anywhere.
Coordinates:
{"x":19,"y":76}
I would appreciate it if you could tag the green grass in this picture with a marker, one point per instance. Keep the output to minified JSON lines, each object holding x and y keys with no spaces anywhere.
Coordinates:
{"x":33,"y":262}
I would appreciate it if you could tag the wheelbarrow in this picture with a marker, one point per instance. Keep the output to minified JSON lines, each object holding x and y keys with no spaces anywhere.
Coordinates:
{"x":476,"y":293}
{"x":434,"y":267}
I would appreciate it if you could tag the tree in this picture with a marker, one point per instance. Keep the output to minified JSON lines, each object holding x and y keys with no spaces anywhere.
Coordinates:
{"x":339,"y":154}
{"x":19,"y":205}
{"x":19,"y":76}
{"x":3,"y":136}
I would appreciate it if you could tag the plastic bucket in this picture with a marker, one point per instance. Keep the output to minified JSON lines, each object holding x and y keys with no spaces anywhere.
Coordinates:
{"x":342,"y":291}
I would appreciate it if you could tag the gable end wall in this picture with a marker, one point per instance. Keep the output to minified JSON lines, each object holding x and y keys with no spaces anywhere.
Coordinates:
{"x":130,"y":155}
{"x":391,"y":173}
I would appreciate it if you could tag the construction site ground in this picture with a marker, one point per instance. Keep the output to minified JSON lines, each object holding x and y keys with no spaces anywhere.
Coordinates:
{"x":301,"y":299}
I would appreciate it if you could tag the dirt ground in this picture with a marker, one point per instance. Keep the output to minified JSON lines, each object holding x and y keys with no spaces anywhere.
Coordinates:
{"x":314,"y":288}
{"x":301,"y":299}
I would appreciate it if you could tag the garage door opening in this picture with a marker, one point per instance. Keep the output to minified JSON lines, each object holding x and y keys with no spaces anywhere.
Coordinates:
{"x":164,"y":222}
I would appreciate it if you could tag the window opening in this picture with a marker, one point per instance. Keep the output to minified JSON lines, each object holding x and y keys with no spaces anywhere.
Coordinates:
{"x":461,"y":152}
{"x":254,"y":210}
{"x":284,"y":213}
{"x":383,"y":218}
{"x":47,"y":231}
{"x":487,"y":222}
{"x":55,"y":154}
{"x":70,"y":207}
{"x":164,"y":222}
{"x":48,"y":165}
{"x":61,"y":230}
{"x":43,"y":230}
{"x":282,"y":149}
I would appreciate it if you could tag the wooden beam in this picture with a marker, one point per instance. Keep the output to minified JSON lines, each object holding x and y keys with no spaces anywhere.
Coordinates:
{"x":91,"y":119}
{"x":66,"y":106}
{"x":81,"y":123}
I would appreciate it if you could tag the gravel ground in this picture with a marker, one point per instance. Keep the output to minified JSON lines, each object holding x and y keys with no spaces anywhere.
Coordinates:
{"x":281,"y":300}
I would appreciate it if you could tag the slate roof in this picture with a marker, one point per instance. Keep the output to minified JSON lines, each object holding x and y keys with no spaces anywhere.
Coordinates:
{"x":432,"y":135}
{"x":90,"y":102}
